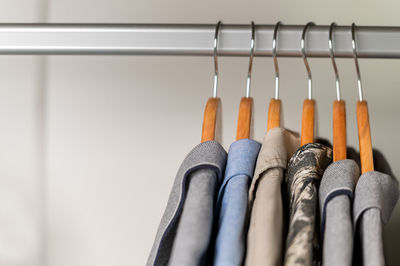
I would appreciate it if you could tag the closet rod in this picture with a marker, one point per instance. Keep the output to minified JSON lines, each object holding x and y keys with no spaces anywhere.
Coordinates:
{"x":191,"y":40}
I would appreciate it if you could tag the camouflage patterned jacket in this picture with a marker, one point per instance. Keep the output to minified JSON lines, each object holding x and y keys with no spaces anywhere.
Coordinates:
{"x":305,"y":169}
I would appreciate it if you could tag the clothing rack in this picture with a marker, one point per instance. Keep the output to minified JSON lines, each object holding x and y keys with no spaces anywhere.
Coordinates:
{"x":192,"y":40}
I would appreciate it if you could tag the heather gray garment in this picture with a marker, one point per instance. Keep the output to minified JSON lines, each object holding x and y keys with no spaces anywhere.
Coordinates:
{"x":207,"y":160}
{"x":335,"y":201}
{"x":371,"y":241}
{"x":194,"y":230}
{"x":375,"y":197}
{"x":304,"y":171}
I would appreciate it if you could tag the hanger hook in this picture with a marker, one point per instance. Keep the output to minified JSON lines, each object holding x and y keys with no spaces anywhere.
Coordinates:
{"x":251,"y":59}
{"x":303,"y":51}
{"x":355,"y":56}
{"x":216,"y":59}
{"x":276,"y":29}
{"x":331,"y":52}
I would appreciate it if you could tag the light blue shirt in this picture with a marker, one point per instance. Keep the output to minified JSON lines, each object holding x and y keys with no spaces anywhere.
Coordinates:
{"x":232,"y":203}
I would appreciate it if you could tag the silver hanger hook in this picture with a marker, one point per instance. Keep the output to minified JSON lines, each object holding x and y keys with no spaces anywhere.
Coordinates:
{"x":331,"y":52}
{"x":216,"y":59}
{"x":303,"y":51}
{"x":251,"y":59}
{"x":276,"y":29}
{"x":355,"y":56}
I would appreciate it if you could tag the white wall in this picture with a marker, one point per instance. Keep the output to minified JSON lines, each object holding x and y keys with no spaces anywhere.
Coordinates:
{"x":21,"y":168}
{"x":117,"y":128}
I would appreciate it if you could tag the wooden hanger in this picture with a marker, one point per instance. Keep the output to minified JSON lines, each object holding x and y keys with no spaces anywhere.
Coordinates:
{"x":308,"y":117}
{"x":339,"y":131}
{"x":244,"y":120}
{"x":339,"y":111}
{"x":307,"y":122}
{"x":274,"y":114}
{"x":210,"y":119}
{"x":212,"y":112}
{"x":274,"y":110}
{"x":364,"y":130}
{"x":364,"y":137}
{"x":246,"y":104}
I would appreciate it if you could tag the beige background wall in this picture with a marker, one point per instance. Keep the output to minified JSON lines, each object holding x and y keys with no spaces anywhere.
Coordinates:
{"x":90,"y":145}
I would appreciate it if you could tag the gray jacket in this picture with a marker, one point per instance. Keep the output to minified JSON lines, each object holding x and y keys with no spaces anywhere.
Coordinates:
{"x":375,"y":197}
{"x":196,"y":182}
{"x":335,"y":200}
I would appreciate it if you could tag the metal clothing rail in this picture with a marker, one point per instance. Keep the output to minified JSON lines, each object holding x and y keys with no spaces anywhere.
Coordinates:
{"x":192,"y":40}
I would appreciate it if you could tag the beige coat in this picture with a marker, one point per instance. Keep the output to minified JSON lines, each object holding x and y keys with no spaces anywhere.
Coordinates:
{"x":265,"y":235}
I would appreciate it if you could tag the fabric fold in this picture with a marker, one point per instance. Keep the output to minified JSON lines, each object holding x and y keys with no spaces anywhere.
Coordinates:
{"x":376,"y":190}
{"x":206,"y":161}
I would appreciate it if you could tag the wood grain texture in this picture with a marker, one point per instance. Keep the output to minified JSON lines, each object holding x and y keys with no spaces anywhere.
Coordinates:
{"x":210,"y":119}
{"x":339,"y":131}
{"x":364,"y":137}
{"x":244,"y":120}
{"x":307,"y":122}
{"x":274,"y":114}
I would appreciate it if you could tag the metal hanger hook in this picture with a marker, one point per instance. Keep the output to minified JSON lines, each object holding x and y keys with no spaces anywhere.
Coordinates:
{"x":216,"y":59}
{"x":355,"y":56}
{"x":276,"y":29}
{"x":303,"y":51}
{"x":252,"y":42}
{"x":331,"y":52}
